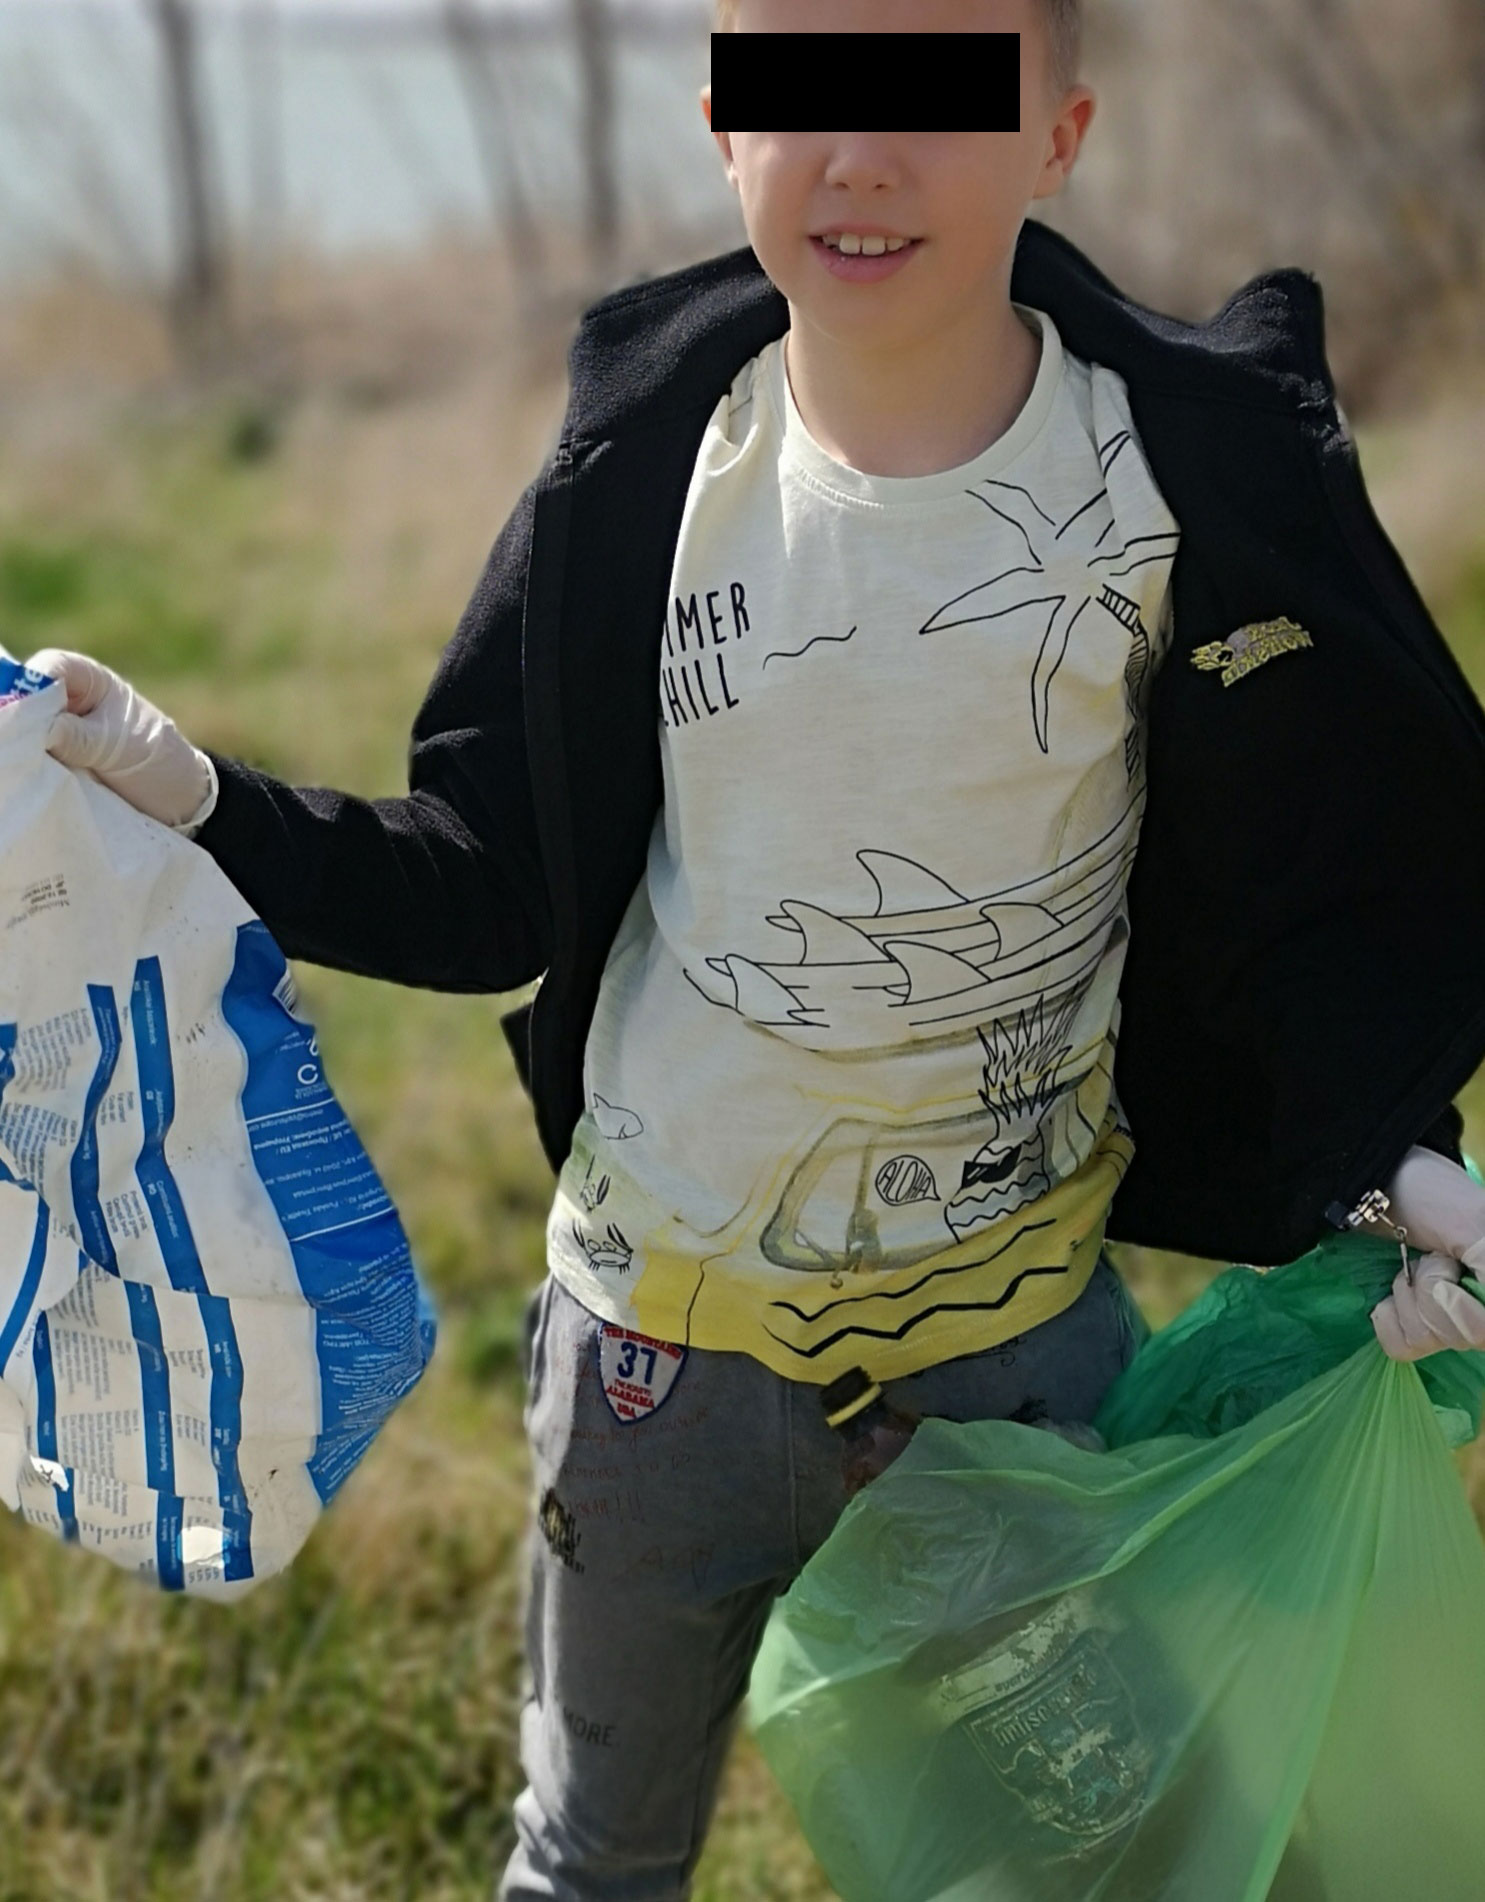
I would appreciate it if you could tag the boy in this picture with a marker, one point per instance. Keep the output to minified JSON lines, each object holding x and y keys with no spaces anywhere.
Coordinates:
{"x":875,"y":604}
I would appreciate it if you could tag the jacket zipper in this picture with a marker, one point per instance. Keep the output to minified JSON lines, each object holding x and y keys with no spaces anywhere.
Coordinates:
{"x":1376,"y":1206}
{"x":1372,"y":1207}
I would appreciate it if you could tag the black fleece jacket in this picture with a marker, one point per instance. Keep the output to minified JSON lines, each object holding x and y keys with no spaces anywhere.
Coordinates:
{"x":1304,"y":990}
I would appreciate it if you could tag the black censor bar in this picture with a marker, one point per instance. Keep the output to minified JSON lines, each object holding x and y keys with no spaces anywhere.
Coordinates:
{"x":889,"y":82}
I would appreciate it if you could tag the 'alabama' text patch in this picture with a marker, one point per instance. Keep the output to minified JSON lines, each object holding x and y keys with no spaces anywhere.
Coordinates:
{"x":637,"y":1372}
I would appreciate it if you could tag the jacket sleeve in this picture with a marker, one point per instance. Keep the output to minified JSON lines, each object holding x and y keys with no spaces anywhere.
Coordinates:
{"x":443,"y":889}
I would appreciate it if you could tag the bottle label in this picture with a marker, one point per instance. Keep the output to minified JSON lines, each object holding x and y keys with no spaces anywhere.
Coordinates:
{"x":1049,"y":1712}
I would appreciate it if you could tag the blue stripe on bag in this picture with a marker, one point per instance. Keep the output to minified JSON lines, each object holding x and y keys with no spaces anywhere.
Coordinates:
{"x":7,"y":1075}
{"x":30,"y":1282}
{"x":226,"y":1435}
{"x":91,"y":1226}
{"x":151,"y":1029}
{"x":159,"y":1436}
{"x":350,"y":1252}
{"x":46,"y":1421}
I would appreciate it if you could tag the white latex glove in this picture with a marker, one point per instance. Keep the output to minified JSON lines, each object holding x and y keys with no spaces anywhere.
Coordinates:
{"x":127,"y":743}
{"x":1442,"y":1209}
{"x":1433,"y":1314}
{"x":1440,"y":1205}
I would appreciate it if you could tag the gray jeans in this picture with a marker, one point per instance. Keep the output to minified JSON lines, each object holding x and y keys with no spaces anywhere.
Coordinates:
{"x":660,"y":1542}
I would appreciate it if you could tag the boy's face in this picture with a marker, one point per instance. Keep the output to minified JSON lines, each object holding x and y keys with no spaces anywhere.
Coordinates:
{"x":964,"y":195}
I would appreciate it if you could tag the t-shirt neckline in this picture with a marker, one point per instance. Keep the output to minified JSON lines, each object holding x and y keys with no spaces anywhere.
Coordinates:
{"x":855,"y":485}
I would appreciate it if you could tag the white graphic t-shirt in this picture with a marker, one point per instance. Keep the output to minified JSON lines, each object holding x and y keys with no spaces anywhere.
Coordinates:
{"x":849,"y":1081}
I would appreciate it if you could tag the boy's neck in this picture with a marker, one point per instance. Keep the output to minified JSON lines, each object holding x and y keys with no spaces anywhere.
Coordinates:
{"x":919,"y":409}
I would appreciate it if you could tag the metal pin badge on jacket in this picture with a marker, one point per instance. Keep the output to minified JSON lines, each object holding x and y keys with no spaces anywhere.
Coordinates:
{"x":1249,"y":647}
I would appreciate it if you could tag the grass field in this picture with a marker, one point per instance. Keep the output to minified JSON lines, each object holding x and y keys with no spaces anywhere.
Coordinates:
{"x":281,"y":580}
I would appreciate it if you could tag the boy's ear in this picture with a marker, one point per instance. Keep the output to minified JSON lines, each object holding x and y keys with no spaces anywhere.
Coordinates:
{"x":1065,"y":140}
{"x":724,"y":139}
{"x":1071,"y":130}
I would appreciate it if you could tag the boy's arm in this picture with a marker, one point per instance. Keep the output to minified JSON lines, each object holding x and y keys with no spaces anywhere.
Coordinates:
{"x":442,"y":888}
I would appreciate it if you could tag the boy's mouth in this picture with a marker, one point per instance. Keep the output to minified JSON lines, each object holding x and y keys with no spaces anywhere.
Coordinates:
{"x":863,"y":244}
{"x":863,"y":258}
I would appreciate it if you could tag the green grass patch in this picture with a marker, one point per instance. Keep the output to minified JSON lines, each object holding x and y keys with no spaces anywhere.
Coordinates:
{"x":105,"y":597}
{"x":39,"y":583}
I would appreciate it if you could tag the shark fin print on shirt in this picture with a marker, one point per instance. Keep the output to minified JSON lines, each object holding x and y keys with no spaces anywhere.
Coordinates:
{"x":928,"y":957}
{"x":1084,"y":552}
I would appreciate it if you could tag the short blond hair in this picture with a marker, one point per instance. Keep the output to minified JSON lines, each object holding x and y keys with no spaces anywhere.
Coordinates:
{"x":1064,"y":20}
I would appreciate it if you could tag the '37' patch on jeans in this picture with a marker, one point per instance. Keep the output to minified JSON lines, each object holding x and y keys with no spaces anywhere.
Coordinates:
{"x":637,"y":1372}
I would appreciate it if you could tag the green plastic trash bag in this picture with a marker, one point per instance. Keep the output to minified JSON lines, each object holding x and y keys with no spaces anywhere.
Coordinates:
{"x":1253,"y":1337}
{"x":1239,"y":1655}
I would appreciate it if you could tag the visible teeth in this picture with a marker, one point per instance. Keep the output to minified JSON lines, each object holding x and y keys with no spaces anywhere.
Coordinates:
{"x":853,"y":246}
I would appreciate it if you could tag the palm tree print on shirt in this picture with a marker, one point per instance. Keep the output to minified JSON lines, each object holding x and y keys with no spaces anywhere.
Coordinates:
{"x":1090,"y":559}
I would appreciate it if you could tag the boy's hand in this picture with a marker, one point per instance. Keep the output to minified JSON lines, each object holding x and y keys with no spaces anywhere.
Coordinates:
{"x":1439,"y":1204}
{"x":1441,"y":1208}
{"x":1433,"y":1314}
{"x":126,"y":742}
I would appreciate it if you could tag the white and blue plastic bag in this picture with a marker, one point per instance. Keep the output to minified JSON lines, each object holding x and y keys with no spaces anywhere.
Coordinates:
{"x":207,"y":1303}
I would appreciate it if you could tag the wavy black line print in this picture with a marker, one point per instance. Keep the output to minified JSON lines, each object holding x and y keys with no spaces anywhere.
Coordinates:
{"x":901,"y":1332}
{"x":780,"y":653}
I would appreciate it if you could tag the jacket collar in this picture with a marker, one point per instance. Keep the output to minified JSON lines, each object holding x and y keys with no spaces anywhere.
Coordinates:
{"x":662,"y":347}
